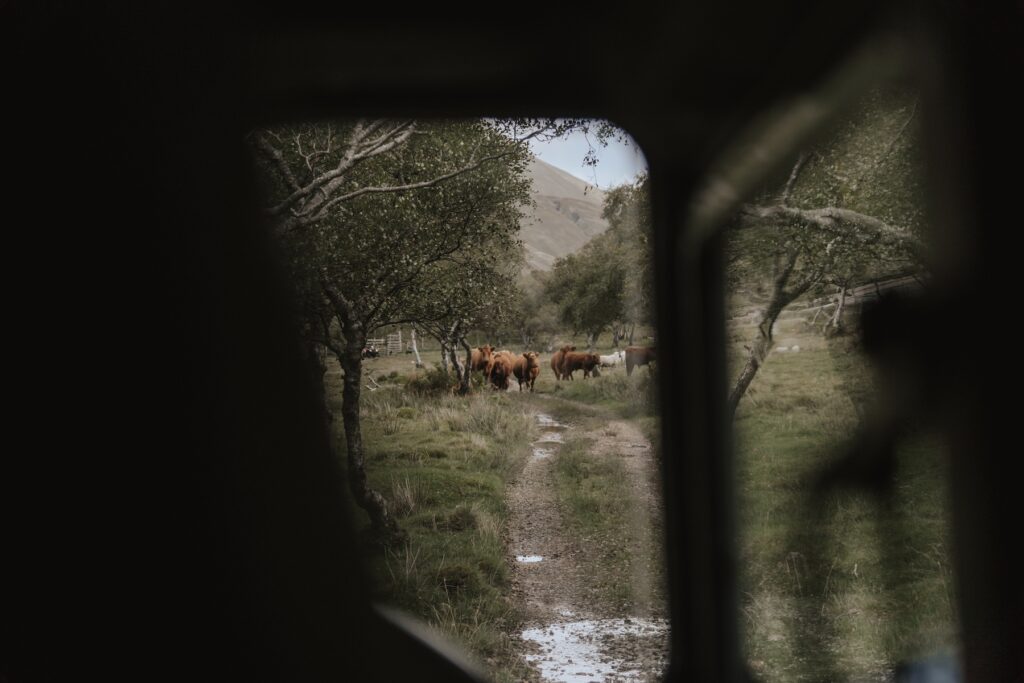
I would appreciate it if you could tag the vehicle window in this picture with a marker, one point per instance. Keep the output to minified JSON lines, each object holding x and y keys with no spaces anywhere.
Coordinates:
{"x":482,"y":321}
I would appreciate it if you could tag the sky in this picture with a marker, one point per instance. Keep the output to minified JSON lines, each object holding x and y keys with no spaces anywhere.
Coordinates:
{"x":617,"y":163}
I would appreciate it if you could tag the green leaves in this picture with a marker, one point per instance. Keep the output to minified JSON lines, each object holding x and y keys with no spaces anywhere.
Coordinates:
{"x":401,"y":255}
{"x":609,"y":280}
{"x":856,"y":199}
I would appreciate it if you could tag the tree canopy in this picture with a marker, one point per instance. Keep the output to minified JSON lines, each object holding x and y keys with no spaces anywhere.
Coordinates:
{"x":607,"y":284}
{"x":850,"y":210}
{"x":388,"y":222}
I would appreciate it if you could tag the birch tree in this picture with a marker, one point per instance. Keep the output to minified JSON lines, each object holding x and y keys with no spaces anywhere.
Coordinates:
{"x":378,"y":218}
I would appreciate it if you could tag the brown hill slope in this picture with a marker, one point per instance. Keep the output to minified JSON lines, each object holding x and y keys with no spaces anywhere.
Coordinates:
{"x":567,"y":215}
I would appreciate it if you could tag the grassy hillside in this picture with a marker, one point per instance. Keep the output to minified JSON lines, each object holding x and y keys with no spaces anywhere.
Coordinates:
{"x":566,"y":216}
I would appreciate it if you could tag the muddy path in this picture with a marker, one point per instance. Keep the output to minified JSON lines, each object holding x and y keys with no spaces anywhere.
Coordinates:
{"x":572,"y":633}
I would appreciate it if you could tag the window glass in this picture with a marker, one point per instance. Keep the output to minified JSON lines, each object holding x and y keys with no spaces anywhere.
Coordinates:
{"x":477,"y":294}
{"x":843,"y":510}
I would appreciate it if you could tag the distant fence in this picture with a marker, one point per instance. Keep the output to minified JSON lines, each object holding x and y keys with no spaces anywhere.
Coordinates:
{"x":868,"y":292}
{"x":394,"y":343}
{"x":855,"y":296}
{"x":390,"y":344}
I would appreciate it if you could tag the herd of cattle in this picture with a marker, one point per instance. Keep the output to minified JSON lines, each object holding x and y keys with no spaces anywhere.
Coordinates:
{"x":499,"y":367}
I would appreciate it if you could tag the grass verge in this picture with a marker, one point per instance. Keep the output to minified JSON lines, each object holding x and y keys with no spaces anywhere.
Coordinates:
{"x":444,"y":463}
{"x":626,"y":397}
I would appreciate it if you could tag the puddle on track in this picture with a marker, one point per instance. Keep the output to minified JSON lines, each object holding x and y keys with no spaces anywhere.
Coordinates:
{"x":578,"y":649}
{"x":551,"y":434}
{"x":551,"y":437}
{"x":548,"y":422}
{"x":598,"y":649}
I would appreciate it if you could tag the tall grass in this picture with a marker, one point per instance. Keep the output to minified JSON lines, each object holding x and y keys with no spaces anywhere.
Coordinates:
{"x":443,"y":463}
{"x":629,"y":397}
{"x":844,"y":584}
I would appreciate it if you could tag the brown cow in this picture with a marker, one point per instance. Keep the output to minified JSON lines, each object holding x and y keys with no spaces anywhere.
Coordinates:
{"x":556,"y":360}
{"x":637,"y":356}
{"x":480,"y":358}
{"x":586,"y":362}
{"x":500,"y":369}
{"x":526,"y":369}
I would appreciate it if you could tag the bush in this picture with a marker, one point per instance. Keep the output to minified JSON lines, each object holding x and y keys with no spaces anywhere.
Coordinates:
{"x":405,"y":497}
{"x":461,"y":519}
{"x":434,"y":382}
{"x":458,"y":578}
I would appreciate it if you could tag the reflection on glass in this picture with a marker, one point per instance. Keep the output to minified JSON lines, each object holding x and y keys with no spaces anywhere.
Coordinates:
{"x":844,"y":528}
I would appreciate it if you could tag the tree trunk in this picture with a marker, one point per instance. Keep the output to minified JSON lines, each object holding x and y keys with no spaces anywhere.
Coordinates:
{"x":632,"y":329}
{"x":761,"y":346}
{"x":837,"y":319}
{"x":444,"y":356}
{"x":467,"y":368}
{"x":317,"y":362}
{"x":443,"y":343}
{"x":381,"y":521}
{"x":615,"y":337}
{"x":457,"y":367}
{"x":415,"y":350}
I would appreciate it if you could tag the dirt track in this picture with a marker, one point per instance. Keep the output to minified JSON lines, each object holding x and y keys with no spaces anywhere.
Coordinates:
{"x":572,"y":634}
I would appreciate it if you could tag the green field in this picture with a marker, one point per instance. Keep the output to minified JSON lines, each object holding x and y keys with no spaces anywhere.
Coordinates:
{"x":846,"y":584}
{"x":444,"y":463}
{"x":842,"y":586}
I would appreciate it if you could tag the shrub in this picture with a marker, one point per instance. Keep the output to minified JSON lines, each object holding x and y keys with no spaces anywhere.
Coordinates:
{"x":405,"y":497}
{"x":390,"y":422}
{"x":434,"y":382}
{"x":461,"y":519}
{"x":458,"y":578}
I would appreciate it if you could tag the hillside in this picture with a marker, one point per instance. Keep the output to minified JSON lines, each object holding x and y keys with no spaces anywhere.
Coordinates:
{"x":567,"y":215}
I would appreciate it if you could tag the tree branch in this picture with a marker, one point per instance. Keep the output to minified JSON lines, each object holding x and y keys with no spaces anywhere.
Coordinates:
{"x":387,"y":141}
{"x":345,"y":164}
{"x":903,"y":128}
{"x":274,"y":154}
{"x":885,"y":153}
{"x":784,"y":199}
{"x":842,"y":222}
{"x":342,"y":306}
{"x":304,"y":218}
{"x":309,"y":203}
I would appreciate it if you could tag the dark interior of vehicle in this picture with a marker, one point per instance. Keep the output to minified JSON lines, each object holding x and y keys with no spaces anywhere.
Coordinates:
{"x":170,"y":510}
